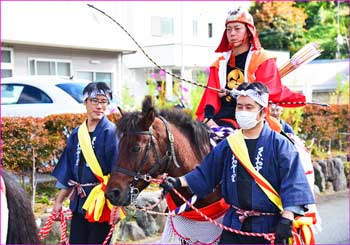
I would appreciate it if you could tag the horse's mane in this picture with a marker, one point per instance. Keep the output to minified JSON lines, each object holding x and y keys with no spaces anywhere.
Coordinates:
{"x":195,"y":131}
{"x":22,"y":228}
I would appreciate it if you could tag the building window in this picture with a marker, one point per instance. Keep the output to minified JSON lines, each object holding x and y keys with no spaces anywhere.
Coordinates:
{"x":162,"y":26}
{"x":195,"y":28}
{"x":6,"y":62}
{"x":210,"y":30}
{"x":50,"y":67}
{"x":96,"y":76}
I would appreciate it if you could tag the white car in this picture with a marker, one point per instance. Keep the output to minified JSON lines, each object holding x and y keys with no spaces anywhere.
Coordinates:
{"x":39,"y":96}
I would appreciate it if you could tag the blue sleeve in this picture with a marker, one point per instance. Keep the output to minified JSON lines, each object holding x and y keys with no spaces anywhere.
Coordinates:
{"x":63,"y":169}
{"x":59,"y":185}
{"x":205,"y":177}
{"x":295,"y":189}
{"x":295,"y":209}
{"x":288,"y":129}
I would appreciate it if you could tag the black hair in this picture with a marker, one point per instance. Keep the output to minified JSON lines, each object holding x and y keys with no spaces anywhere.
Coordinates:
{"x":259,"y":87}
{"x":98,"y":86}
{"x":256,"y":86}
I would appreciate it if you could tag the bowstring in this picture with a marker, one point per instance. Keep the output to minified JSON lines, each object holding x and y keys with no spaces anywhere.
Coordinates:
{"x":148,"y":57}
{"x":232,"y":92}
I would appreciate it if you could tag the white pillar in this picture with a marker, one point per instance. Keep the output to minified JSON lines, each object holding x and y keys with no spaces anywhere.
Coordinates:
{"x":186,"y":87}
{"x":169,"y":86}
{"x":118,"y":81}
{"x":308,"y":91}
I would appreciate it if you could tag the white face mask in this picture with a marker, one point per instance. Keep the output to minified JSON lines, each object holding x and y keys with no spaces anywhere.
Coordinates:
{"x":247,"y":119}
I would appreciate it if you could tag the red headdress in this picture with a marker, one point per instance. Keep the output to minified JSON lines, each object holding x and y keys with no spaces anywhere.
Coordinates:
{"x":242,"y":16}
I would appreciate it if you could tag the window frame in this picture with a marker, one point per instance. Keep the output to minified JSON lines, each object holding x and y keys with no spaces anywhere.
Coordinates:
{"x":110,"y":84}
{"x":6,"y":65}
{"x":55,"y":61}
{"x":158,"y":24}
{"x":210,"y":29}
{"x":195,"y":28}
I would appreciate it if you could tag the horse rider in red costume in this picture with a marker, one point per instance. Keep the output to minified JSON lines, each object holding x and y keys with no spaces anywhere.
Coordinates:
{"x":243,"y":60}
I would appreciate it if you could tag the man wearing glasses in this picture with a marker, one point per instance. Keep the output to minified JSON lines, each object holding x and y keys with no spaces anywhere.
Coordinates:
{"x":84,"y":166}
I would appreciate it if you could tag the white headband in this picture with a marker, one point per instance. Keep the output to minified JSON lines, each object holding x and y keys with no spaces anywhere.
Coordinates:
{"x":261,"y":99}
{"x":95,"y":93}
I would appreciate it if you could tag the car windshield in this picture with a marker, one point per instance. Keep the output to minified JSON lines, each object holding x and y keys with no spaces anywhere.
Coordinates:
{"x":75,"y":89}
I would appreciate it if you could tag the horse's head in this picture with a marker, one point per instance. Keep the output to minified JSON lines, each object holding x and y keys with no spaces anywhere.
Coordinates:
{"x":144,"y":152}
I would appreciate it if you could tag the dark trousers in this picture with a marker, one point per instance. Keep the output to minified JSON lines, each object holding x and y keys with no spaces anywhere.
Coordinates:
{"x":228,"y":237}
{"x":84,"y":232}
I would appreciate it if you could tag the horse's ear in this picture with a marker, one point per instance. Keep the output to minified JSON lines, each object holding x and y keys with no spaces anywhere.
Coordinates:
{"x":148,"y":111}
{"x":121,"y":111}
{"x":148,"y":118}
{"x":147,"y":104}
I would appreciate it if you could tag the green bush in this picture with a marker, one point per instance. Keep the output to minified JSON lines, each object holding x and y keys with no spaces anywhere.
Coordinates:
{"x":43,"y":200}
{"x":42,"y":140}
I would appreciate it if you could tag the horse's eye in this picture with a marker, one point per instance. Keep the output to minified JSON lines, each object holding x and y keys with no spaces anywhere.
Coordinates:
{"x":136,"y":148}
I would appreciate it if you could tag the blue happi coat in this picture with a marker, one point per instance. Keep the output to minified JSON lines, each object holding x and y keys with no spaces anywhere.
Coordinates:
{"x":105,"y":144}
{"x":276,"y":159}
{"x":286,"y":127}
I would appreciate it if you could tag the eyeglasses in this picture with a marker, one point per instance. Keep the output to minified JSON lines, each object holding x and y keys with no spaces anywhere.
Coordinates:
{"x":96,"y":102}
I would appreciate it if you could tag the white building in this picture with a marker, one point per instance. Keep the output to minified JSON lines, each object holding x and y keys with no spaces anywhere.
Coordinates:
{"x":319,"y":79}
{"x":72,"y":39}
{"x":61,"y":38}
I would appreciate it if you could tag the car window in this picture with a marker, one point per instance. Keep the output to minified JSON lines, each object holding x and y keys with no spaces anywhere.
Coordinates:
{"x":10,"y":93}
{"x":73,"y":89}
{"x":22,"y":94}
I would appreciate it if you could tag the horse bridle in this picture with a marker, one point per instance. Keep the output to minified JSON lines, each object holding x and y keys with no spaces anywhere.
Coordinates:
{"x":168,"y":157}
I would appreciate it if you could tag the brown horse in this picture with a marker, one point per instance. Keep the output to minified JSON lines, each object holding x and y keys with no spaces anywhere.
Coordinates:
{"x":153,"y":143}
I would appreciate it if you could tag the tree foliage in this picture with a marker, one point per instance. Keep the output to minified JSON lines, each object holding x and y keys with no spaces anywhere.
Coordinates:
{"x":290,"y":25}
{"x":279,"y":24}
{"x":41,"y":138}
{"x":320,"y":123}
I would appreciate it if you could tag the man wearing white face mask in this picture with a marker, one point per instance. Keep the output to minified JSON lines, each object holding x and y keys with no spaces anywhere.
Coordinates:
{"x":260,"y":173}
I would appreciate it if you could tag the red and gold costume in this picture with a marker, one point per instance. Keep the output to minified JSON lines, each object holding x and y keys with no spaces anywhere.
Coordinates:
{"x":258,"y":65}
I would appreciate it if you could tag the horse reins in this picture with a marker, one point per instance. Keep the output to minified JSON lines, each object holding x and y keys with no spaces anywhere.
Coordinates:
{"x":189,"y":203}
{"x":62,"y":217}
{"x":165,"y":160}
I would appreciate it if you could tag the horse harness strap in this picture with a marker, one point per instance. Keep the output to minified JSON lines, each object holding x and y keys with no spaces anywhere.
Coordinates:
{"x":169,"y":155}
{"x":171,"y":142}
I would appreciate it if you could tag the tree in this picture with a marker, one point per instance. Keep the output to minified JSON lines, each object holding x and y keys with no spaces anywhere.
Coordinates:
{"x":279,"y":24}
{"x":322,"y":26}
{"x":290,"y":25}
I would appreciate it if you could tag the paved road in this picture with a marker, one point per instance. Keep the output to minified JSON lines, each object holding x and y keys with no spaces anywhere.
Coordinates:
{"x":334,"y":211}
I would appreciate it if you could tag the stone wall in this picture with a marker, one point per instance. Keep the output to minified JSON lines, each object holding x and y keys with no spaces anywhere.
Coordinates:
{"x":330,"y":174}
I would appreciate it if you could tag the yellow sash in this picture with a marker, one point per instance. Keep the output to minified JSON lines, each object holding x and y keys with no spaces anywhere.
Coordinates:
{"x":96,"y":200}
{"x":239,"y":149}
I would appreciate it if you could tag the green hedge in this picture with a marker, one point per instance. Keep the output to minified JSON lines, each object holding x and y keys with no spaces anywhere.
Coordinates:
{"x":43,"y":139}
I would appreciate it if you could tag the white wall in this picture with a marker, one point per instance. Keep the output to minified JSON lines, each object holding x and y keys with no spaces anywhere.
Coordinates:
{"x":168,"y":50}
{"x":61,"y":24}
{"x":80,"y":59}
